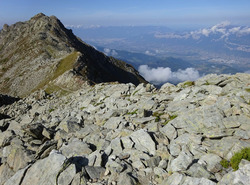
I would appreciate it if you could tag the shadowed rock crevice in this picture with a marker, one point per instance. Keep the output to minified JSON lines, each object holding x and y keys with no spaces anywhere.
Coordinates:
{"x":7,"y":100}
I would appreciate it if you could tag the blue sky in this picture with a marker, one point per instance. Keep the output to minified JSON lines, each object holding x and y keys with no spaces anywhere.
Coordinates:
{"x":129,"y":12}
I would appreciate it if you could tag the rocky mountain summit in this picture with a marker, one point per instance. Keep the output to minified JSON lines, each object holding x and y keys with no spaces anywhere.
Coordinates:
{"x":42,"y":54}
{"x":120,"y":134}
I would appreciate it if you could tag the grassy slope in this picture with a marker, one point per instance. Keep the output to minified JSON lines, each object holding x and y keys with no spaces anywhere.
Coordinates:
{"x":63,"y":66}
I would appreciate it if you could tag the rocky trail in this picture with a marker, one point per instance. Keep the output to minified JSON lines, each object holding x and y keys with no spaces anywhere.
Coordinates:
{"x":121,"y":134}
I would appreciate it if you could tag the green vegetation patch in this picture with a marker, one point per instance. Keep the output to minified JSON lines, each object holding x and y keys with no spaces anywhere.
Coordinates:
{"x":53,"y":88}
{"x":51,"y":110}
{"x":225,"y":163}
{"x":63,"y":66}
{"x":243,"y":154}
{"x":51,"y":51}
{"x":157,"y":119}
{"x":188,"y":83}
{"x":97,"y":104}
{"x":135,"y":92}
{"x":207,"y":83}
{"x":157,"y":116}
{"x":3,"y":61}
{"x":236,"y":159}
{"x":171,"y":117}
{"x":132,"y":113}
{"x":1,"y":47}
{"x":248,"y":90}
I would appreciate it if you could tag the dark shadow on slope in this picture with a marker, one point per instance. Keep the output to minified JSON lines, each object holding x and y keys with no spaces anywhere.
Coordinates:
{"x":7,"y":100}
{"x":99,"y":67}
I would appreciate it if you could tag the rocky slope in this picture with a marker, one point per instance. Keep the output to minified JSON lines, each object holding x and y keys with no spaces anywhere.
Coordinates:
{"x":42,"y":54}
{"x":115,"y":133}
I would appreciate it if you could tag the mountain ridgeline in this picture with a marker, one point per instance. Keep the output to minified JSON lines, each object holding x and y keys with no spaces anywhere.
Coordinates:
{"x":42,"y":54}
{"x":196,"y":132}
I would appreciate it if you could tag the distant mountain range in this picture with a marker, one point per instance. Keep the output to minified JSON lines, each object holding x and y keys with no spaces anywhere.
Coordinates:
{"x":222,"y":39}
{"x":223,"y":48}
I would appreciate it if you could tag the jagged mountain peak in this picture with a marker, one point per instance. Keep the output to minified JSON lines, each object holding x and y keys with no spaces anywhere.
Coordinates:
{"x":42,"y":53}
{"x":46,"y":23}
{"x":38,"y":16}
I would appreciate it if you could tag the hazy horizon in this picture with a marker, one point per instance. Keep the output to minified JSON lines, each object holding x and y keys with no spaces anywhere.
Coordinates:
{"x":86,"y":13}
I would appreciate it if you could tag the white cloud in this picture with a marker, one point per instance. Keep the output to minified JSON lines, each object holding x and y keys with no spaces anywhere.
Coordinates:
{"x":162,"y":75}
{"x":157,"y":51}
{"x":114,"y":53}
{"x":74,"y":26}
{"x":222,"y":28}
{"x":195,"y":34}
{"x":187,"y":74}
{"x":244,"y":31}
{"x":156,"y":75}
{"x":110,"y":52}
{"x":206,"y":32}
{"x":92,"y":26}
{"x":149,"y":53}
{"x":172,"y":36}
{"x":234,"y":30}
{"x":107,"y":51}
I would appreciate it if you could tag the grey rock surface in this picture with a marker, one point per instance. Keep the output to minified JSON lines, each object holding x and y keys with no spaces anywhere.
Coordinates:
{"x":241,"y":176}
{"x":102,"y":135}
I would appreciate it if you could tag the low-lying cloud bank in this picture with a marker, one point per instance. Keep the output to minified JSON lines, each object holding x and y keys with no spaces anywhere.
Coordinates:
{"x":224,"y":29}
{"x":161,"y":75}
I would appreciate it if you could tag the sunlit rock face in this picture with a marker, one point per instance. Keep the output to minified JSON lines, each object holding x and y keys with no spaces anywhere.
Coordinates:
{"x":114,"y":133}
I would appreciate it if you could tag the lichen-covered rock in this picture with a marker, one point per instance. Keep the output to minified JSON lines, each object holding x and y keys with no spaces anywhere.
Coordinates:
{"x":75,"y":148}
{"x":241,"y":176}
{"x":143,"y":141}
{"x":44,"y":171}
{"x":103,"y":135}
{"x":182,"y":162}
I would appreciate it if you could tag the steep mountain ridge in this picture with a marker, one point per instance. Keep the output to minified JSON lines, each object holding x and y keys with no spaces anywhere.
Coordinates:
{"x":42,"y":53}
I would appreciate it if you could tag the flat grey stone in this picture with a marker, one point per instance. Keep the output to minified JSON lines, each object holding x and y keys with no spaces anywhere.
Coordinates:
{"x":39,"y":174}
{"x":197,"y":170}
{"x":75,"y":148}
{"x":182,"y":162}
{"x":113,"y":123}
{"x":95,"y":172}
{"x":174,"y":149}
{"x":125,"y":178}
{"x":198,"y":181}
{"x":174,"y":179}
{"x":211,"y":162}
{"x":67,"y":175}
{"x":169,"y":131}
{"x":143,"y":141}
{"x":127,"y":142}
